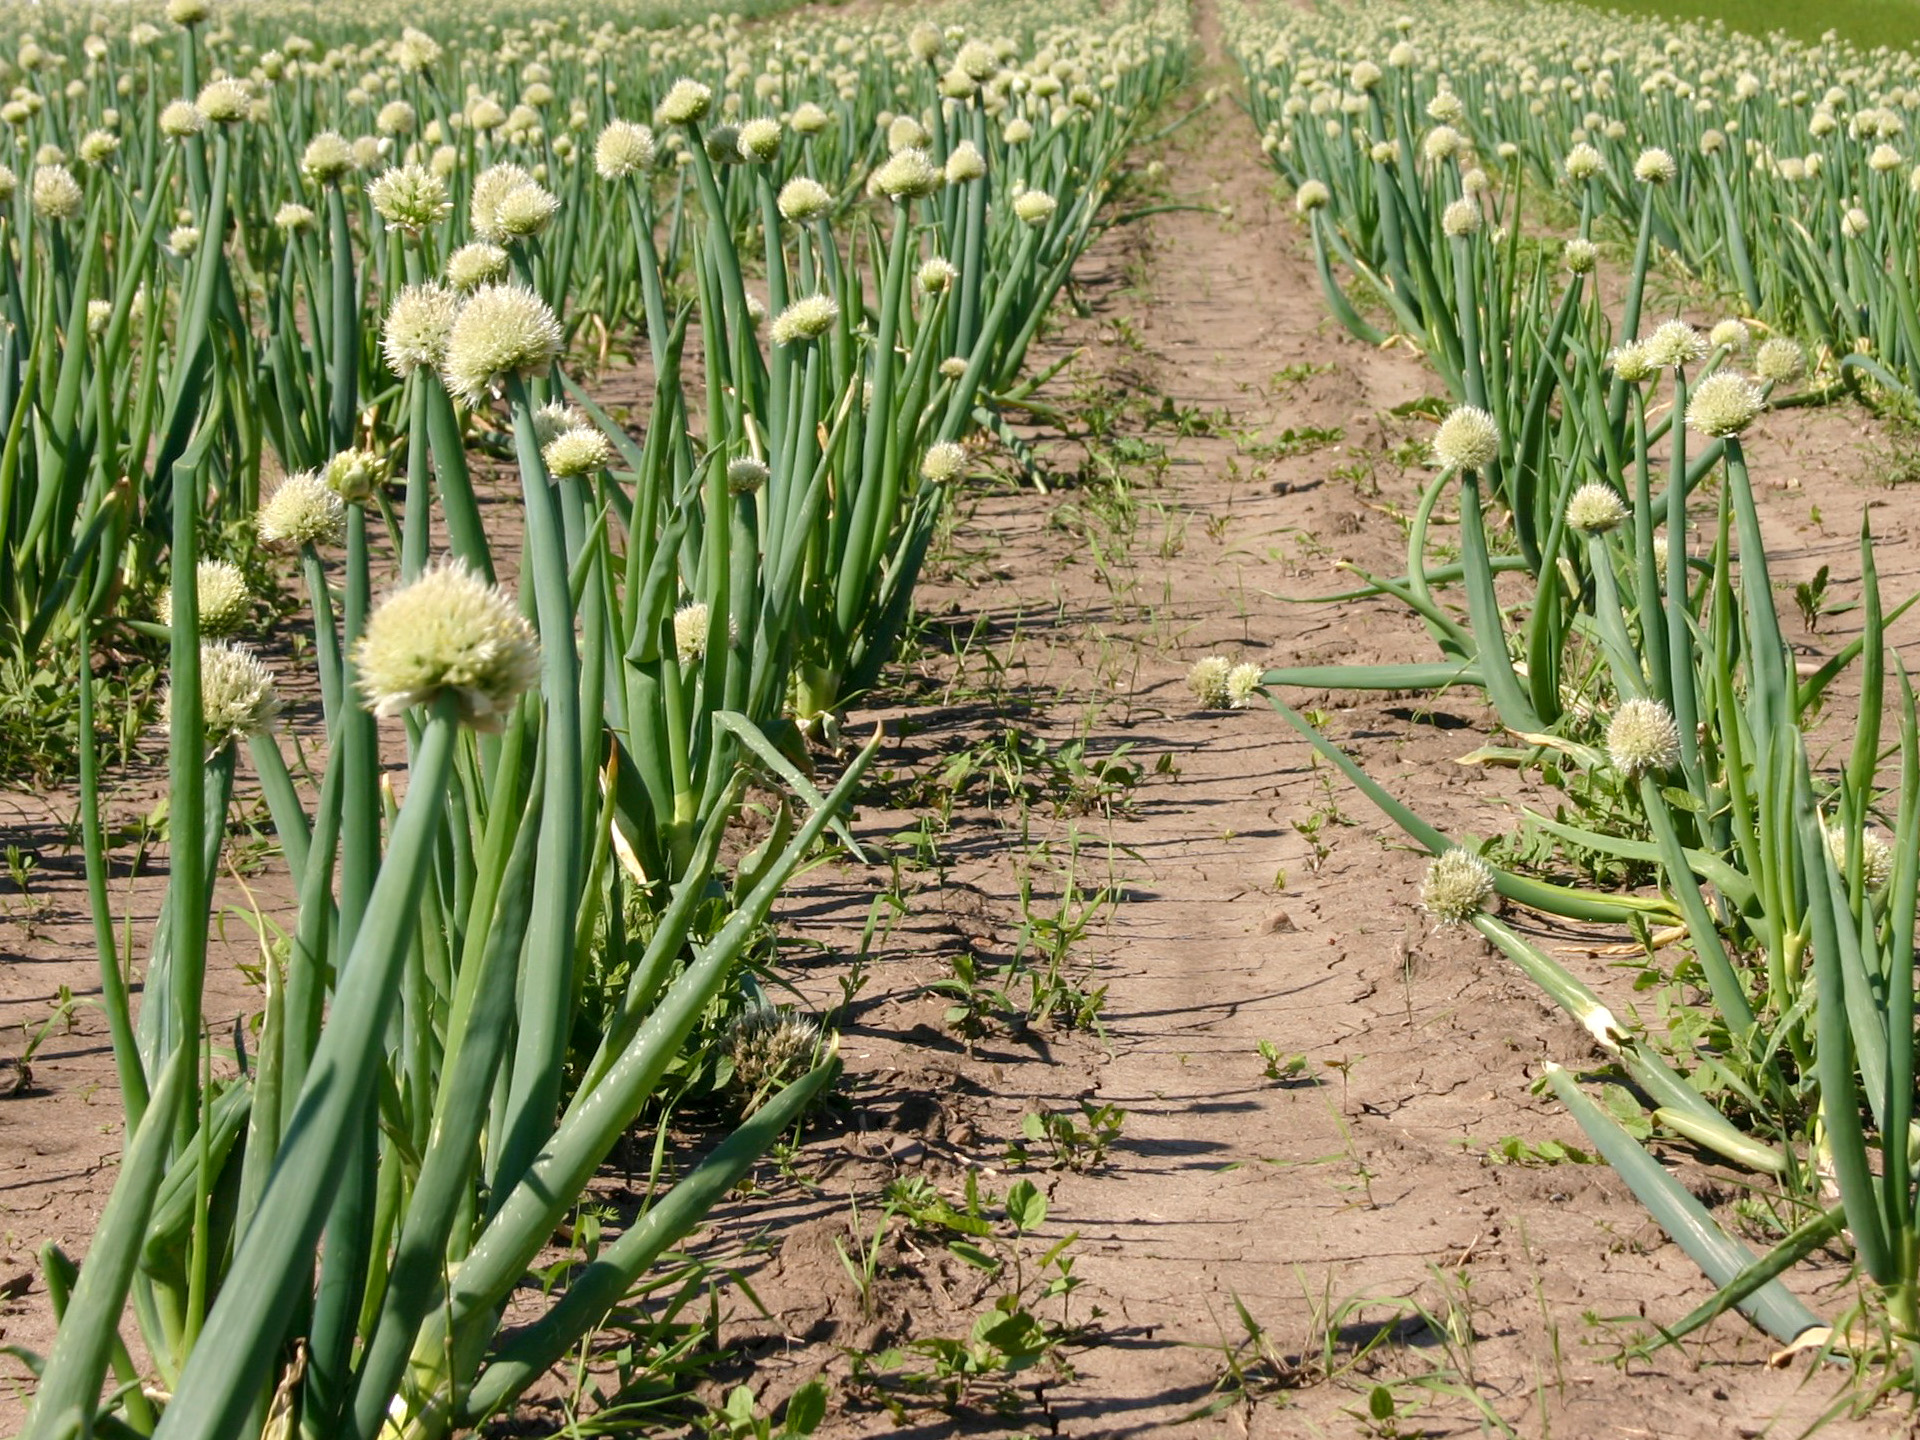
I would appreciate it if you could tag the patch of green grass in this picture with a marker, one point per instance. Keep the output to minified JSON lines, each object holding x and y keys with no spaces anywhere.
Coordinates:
{"x":1865,"y":22}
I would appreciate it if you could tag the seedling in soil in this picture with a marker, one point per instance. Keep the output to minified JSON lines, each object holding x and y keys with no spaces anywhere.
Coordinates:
{"x":1010,"y":1339}
{"x":738,"y":1419}
{"x":1303,"y":440}
{"x":1284,"y":1068}
{"x":1512,"y":1150}
{"x":863,"y":1271}
{"x":1809,"y":596}
{"x":1068,"y":1143}
{"x":1046,"y":942}
{"x":979,"y":994}
{"x":1288,"y":376}
{"x":21,"y":865}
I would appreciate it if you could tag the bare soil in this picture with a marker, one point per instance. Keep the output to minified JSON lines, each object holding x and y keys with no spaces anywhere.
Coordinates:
{"x":1258,"y":899}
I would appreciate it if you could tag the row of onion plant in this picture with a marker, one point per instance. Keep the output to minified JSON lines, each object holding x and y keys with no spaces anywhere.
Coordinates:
{"x":1651,"y":685}
{"x":499,"y":952}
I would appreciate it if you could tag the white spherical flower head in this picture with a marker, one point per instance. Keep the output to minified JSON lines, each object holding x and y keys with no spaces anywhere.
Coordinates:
{"x":1383,"y":152}
{"x":953,"y":367}
{"x":524,"y":212}
{"x":554,"y":419}
{"x":1583,"y":162}
{"x":188,"y":13}
{"x":448,"y":634}
{"x":769,"y":1046}
{"x":1460,"y":219}
{"x":1580,"y":256}
{"x":1017,"y":131}
{"x":224,"y":102}
{"x":1654,"y":167}
{"x":417,"y":327}
{"x":1631,"y":363}
{"x":965,"y":163}
{"x":1723,"y":404}
{"x":1457,"y":886}
{"x":1468,"y":439}
{"x":183,"y":240}
{"x":976,"y":60}
{"x":501,"y":331}
{"x":354,"y":475}
{"x":1675,"y":344}
{"x":238,"y":697}
{"x":293,"y":216}
{"x":1312,"y":195}
{"x":684,"y":103}
{"x":906,"y":175}
{"x":1595,"y":509}
{"x":925,"y":42}
{"x":221,"y":596}
{"x":1364,"y":75}
{"x":396,"y":118}
{"x":1443,"y":142}
{"x":1884,"y":158}
{"x":759,"y":139}
{"x":906,"y":133}
{"x":805,"y":319}
{"x":579,"y":451}
{"x":9,"y":183}
{"x":1446,"y":108}
{"x":410,"y":198}
{"x":1854,"y":223}
{"x":302,"y":510}
{"x":56,"y":194}
{"x":1208,"y":681}
{"x":1729,"y":335}
{"x":937,"y":275}
{"x":472,"y":266}
{"x":943,"y":463}
{"x":809,"y":119}
{"x":508,"y":204}
{"x":624,"y":149}
{"x":99,"y":312}
{"x":1779,"y":360}
{"x":1243,"y":685}
{"x":415,"y":50}
{"x":1642,"y":738}
{"x":803,"y":199}
{"x":98,"y":147}
{"x":1876,"y":855}
{"x":746,"y":476}
{"x":1034,"y":207}
{"x":690,"y":626}
{"x":326,"y":158}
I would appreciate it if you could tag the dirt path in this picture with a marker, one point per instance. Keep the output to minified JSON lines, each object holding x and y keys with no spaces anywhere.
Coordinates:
{"x":1388,"y":1189}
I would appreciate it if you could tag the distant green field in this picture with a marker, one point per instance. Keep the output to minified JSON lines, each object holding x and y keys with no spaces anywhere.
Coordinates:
{"x":1865,"y":22}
